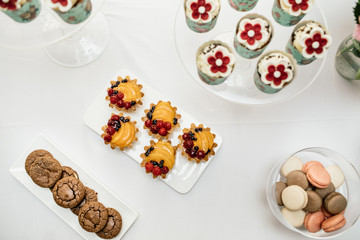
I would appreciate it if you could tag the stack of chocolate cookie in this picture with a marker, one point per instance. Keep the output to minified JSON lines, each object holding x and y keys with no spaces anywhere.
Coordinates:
{"x":69,"y":192}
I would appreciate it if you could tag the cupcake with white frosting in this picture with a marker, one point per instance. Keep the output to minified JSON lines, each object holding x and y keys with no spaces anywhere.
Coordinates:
{"x":21,"y":11}
{"x":201,"y":15}
{"x":253,"y":34}
{"x":71,"y":11}
{"x":274,"y":71}
{"x":290,"y":12}
{"x":310,"y":40}
{"x":243,"y":5}
{"x":215,"y":62}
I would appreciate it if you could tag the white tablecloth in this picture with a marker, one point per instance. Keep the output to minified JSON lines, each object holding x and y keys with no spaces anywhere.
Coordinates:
{"x":228,"y":202}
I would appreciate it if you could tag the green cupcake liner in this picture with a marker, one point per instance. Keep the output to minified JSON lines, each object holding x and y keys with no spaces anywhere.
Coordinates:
{"x":243,"y":5}
{"x":201,"y":27}
{"x":284,"y":18}
{"x":210,"y":80}
{"x":28,"y":11}
{"x":78,"y":13}
{"x":300,"y":59}
{"x":266,"y":88}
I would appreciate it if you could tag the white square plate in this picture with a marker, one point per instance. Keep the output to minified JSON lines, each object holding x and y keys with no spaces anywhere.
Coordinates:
{"x":184,"y":174}
{"x":105,"y":196}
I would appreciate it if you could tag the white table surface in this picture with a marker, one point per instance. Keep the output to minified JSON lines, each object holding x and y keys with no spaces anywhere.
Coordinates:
{"x":228,"y":202}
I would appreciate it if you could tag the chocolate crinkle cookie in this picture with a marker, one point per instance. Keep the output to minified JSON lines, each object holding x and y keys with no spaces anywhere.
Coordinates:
{"x":34,"y":155}
{"x":68,"y":172}
{"x":90,"y":196}
{"x":113,"y":225}
{"x":93,"y":216}
{"x":45,"y":172}
{"x":68,"y":192}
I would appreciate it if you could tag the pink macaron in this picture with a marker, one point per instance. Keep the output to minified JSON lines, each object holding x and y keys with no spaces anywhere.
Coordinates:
{"x":313,"y":221}
{"x":333,"y":223}
{"x":309,"y":164}
{"x":318,"y":176}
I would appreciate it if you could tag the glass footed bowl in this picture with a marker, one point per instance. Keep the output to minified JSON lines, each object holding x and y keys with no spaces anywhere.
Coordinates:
{"x":350,"y":189}
{"x":239,"y":87}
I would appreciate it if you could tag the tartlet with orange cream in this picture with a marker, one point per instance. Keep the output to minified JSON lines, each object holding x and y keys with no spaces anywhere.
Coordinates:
{"x":124,"y":94}
{"x":120,"y":132}
{"x":197,"y":143}
{"x":161,"y":119}
{"x":159,"y":158}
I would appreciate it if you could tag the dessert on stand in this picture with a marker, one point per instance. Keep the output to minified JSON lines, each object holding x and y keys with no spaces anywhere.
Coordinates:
{"x":239,"y":86}
{"x":60,"y":31}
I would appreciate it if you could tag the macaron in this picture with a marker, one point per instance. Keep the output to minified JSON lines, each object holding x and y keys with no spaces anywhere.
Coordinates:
{"x":323,"y":192}
{"x":333,"y":223}
{"x":280,"y":186}
{"x":309,"y":164}
{"x":336,"y":174}
{"x":314,"y":202}
{"x":293,"y":163}
{"x":294,"y":197}
{"x":334,"y":203}
{"x":318,"y":176}
{"x":299,"y":178}
{"x":313,"y":221}
{"x":325,"y":212}
{"x":295,"y":218}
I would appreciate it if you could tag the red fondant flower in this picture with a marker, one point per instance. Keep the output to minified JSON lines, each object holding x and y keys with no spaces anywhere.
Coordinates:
{"x":62,"y":2}
{"x":10,"y":5}
{"x":200,"y":9}
{"x":276,"y":74}
{"x":219,"y":62}
{"x":299,"y":4}
{"x":251,"y":33}
{"x":315,"y":44}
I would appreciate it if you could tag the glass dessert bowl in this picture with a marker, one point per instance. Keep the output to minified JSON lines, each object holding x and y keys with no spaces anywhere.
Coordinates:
{"x":350,"y":189}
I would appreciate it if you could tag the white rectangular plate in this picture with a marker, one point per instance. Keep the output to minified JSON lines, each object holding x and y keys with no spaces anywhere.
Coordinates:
{"x":184,"y":174}
{"x":105,"y":196}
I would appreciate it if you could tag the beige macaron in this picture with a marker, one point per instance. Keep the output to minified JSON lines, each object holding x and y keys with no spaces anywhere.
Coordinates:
{"x":292,"y":164}
{"x":294,"y":197}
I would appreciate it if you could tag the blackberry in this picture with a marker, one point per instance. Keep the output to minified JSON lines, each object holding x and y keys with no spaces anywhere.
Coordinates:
{"x":154,"y":122}
{"x":122,"y":119}
{"x":124,"y":81}
{"x":115,"y":92}
{"x":196,"y":148}
{"x":149,"y":115}
{"x":133,"y":103}
{"x":162,"y":161}
{"x":175,"y":121}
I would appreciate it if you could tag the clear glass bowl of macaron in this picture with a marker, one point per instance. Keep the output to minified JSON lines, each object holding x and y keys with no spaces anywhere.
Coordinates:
{"x":315,"y":192}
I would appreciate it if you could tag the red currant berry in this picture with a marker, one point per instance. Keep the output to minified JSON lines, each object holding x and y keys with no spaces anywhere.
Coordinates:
{"x":163,"y":131}
{"x":160,"y":124}
{"x":200,"y":154}
{"x":113,"y":99}
{"x":148,"y":123}
{"x":127,"y":105}
{"x":165,"y":170}
{"x":111,"y":130}
{"x":156,"y":171}
{"x":167,"y":125}
{"x":110,"y":92}
{"x":186,"y":136}
{"x":120,"y":95}
{"x":111,"y":123}
{"x":149,"y":166}
{"x":188,"y":144}
{"x":192,"y":153}
{"x":115,"y":117}
{"x":154,"y":129}
{"x":120,"y":104}
{"x":107,"y":138}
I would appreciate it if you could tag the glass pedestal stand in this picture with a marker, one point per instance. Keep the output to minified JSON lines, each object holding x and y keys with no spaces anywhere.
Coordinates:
{"x":82,"y":47}
{"x":71,"y":45}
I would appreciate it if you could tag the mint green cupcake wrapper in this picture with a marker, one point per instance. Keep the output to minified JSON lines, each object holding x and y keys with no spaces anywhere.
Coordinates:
{"x":28,"y":12}
{"x":243,"y":5}
{"x":210,"y":80}
{"x":247,"y":53}
{"x":282,"y":17}
{"x":78,"y":13}
{"x":266,"y":88}
{"x":300,"y":59}
{"x":201,"y":27}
